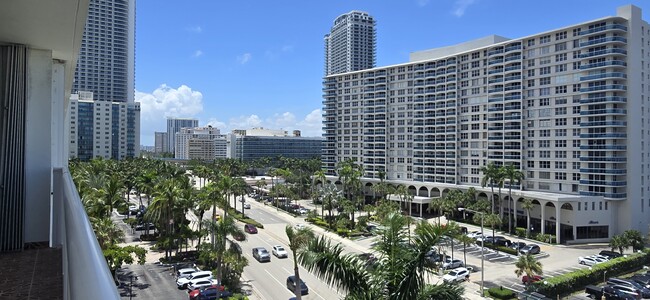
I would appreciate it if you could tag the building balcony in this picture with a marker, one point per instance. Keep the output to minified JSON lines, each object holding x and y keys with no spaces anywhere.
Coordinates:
{"x":603,"y":52}
{"x":604,"y":76}
{"x":603,"y":64}
{"x":611,"y":111}
{"x":604,"y":158}
{"x":603,"y":182}
{"x":604,"y":171}
{"x":609,"y":87}
{"x":603,"y":123}
{"x":512,"y":48}
{"x":603,"y":147}
{"x":611,"y":99}
{"x":603,"y":194}
{"x":604,"y":135}
{"x":604,"y":40}
{"x":603,"y":28}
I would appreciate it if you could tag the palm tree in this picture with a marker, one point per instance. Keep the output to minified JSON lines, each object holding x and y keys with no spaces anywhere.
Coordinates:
{"x":330,"y":195}
{"x":634,"y":239}
{"x":491,"y":219}
{"x":490,"y":174}
{"x":527,"y":264}
{"x":527,"y":205}
{"x":260,"y":184}
{"x":618,"y":242}
{"x":162,"y":208}
{"x":298,"y":239}
{"x":513,"y":175}
{"x":350,"y":175}
{"x":112,"y":193}
{"x":221,"y":229}
{"x":465,"y":240}
{"x":107,"y":232}
{"x":399,"y":273}
{"x":499,"y":180}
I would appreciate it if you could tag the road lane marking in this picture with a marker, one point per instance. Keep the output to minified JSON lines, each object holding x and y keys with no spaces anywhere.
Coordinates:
{"x":278,"y":281}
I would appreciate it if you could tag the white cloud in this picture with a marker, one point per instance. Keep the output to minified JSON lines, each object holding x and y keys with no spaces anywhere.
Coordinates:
{"x":422,"y":3}
{"x":460,"y":6}
{"x":217,"y":124}
{"x":310,"y":125}
{"x":244,"y":58}
{"x":245,"y":122}
{"x":165,"y":102}
{"x":197,"y":53}
{"x":195,"y":29}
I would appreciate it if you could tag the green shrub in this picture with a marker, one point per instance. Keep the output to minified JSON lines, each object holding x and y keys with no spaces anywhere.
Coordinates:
{"x":501,"y":248}
{"x":501,"y":293}
{"x":521,"y":232}
{"x":342,"y":232}
{"x":573,"y":281}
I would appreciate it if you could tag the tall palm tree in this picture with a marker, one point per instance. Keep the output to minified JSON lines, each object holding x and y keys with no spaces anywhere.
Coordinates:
{"x":490,"y":174}
{"x":499,"y":180}
{"x":527,"y":205}
{"x":112,"y":193}
{"x":527,"y":264}
{"x":513,"y":175}
{"x":399,"y":273}
{"x":298,"y":239}
{"x":330,"y":195}
{"x":618,"y":242}
{"x":107,"y":232}
{"x":162,"y":208}
{"x":222,"y":229}
{"x":491,"y":219}
{"x":465,"y":240}
{"x":350,"y":176}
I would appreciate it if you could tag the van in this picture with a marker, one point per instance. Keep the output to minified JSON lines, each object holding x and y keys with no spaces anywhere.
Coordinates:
{"x":185,"y":272}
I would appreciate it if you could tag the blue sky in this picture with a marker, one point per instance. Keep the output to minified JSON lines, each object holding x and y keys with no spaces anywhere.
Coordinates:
{"x":245,"y":63}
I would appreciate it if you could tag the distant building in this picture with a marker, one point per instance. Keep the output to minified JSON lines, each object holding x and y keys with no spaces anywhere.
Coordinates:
{"x":258,"y":143}
{"x":160,"y":142}
{"x":202,"y":143}
{"x":103,"y":128}
{"x":174,"y":125}
{"x":350,"y":45}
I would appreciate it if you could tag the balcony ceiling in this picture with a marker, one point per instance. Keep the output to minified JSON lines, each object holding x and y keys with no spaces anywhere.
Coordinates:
{"x":43,"y":24}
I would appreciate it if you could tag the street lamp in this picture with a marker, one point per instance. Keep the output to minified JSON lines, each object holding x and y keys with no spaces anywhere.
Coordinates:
{"x":482,"y":214}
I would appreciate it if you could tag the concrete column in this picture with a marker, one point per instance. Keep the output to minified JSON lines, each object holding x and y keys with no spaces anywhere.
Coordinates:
{"x":543,"y":216}
{"x":558,"y":208}
{"x":420,"y":210}
{"x":514,"y":211}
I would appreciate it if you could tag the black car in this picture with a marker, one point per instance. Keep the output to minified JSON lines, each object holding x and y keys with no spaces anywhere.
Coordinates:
{"x":210,"y":293}
{"x":610,"y":254}
{"x":517,"y":245}
{"x":144,"y":226}
{"x":291,"y":285}
{"x":642,"y":279}
{"x":530,"y":249}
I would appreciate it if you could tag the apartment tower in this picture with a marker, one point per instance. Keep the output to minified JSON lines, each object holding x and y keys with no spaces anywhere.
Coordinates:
{"x":174,"y":126}
{"x":350,"y":45}
{"x":567,"y":107}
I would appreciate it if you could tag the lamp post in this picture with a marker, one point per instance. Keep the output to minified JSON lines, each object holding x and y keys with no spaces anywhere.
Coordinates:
{"x":482,"y":214}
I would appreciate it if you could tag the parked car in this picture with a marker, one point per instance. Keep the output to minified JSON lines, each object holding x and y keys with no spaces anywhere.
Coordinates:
{"x":642,"y":279}
{"x":279,"y":251}
{"x":185,"y":272}
{"x":628,"y":290}
{"x":483,"y":238}
{"x":250,"y":228}
{"x":209,"y":293}
{"x":247,"y":205}
{"x":600,"y":258}
{"x":645,"y":292}
{"x":517,"y":245}
{"x":456,"y":275}
{"x":610,"y":254}
{"x":527,"y":280}
{"x":530,"y":249}
{"x":452,"y":263}
{"x":144,"y":226}
{"x":182,"y":283}
{"x":474,"y":234}
{"x":303,"y":211}
{"x":610,"y":293}
{"x":200,"y":283}
{"x":587,"y":261}
{"x":299,"y":226}
{"x":261,"y":254}
{"x":291,"y":285}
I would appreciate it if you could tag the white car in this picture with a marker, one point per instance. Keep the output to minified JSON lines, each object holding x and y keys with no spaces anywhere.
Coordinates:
{"x":182,"y":283}
{"x":303,"y":211}
{"x":300,"y":226}
{"x":247,"y":205}
{"x":185,"y":272}
{"x":456,"y":275}
{"x":600,"y":257}
{"x":588,"y":261}
{"x":481,"y":238}
{"x":474,"y":234}
{"x":279,"y":251}
{"x":200,"y":283}
{"x":452,"y":263}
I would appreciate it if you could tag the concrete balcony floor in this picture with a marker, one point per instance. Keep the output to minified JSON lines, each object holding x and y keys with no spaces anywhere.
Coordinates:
{"x":34,"y":273}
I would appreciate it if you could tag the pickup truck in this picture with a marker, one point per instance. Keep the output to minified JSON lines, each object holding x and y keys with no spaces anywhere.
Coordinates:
{"x":597,"y":292}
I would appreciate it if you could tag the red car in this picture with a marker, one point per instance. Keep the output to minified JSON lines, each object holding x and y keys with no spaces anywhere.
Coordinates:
{"x":195,"y":294}
{"x":536,"y":278}
{"x":250,"y":228}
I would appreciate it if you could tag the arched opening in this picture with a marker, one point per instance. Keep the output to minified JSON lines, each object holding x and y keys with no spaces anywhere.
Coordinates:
{"x":423,"y":192}
{"x":435,"y":192}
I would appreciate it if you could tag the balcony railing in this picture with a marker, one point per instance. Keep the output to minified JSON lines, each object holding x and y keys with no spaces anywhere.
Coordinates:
{"x":85,"y":272}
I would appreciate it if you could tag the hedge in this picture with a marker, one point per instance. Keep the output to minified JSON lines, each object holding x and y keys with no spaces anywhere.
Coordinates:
{"x":501,"y":293}
{"x":237,"y":215}
{"x":499,"y":248}
{"x":576,"y":280}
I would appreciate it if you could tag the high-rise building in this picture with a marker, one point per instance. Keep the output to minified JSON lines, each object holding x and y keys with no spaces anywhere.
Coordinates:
{"x":103,"y":128}
{"x":106,"y":64}
{"x":202,"y":143}
{"x":160,"y":142}
{"x":566,"y":106}
{"x":350,"y":45}
{"x":174,"y":126}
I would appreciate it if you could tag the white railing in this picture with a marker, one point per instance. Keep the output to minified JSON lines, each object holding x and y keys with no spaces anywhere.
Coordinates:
{"x":85,"y":272}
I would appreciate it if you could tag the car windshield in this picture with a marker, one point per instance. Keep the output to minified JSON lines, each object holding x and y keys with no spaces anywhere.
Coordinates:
{"x":279,"y":248}
{"x":453,"y":273}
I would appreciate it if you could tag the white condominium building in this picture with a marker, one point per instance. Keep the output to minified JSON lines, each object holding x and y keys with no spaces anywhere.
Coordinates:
{"x":567,"y":107}
{"x":174,"y":126}
{"x":350,"y":45}
{"x":202,"y":143}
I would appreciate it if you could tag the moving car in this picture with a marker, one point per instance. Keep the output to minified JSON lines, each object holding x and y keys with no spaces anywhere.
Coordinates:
{"x":247,"y":205}
{"x":299,"y":226}
{"x":291,"y":285}
{"x":182,"y":283}
{"x":456,"y":275}
{"x":250,"y":228}
{"x":279,"y":251}
{"x":530,"y":249}
{"x":261,"y":254}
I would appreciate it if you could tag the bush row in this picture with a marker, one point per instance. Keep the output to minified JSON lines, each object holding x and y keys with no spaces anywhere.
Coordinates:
{"x":501,"y":293}
{"x":237,"y":215}
{"x":499,"y":248}
{"x":570,"y":282}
